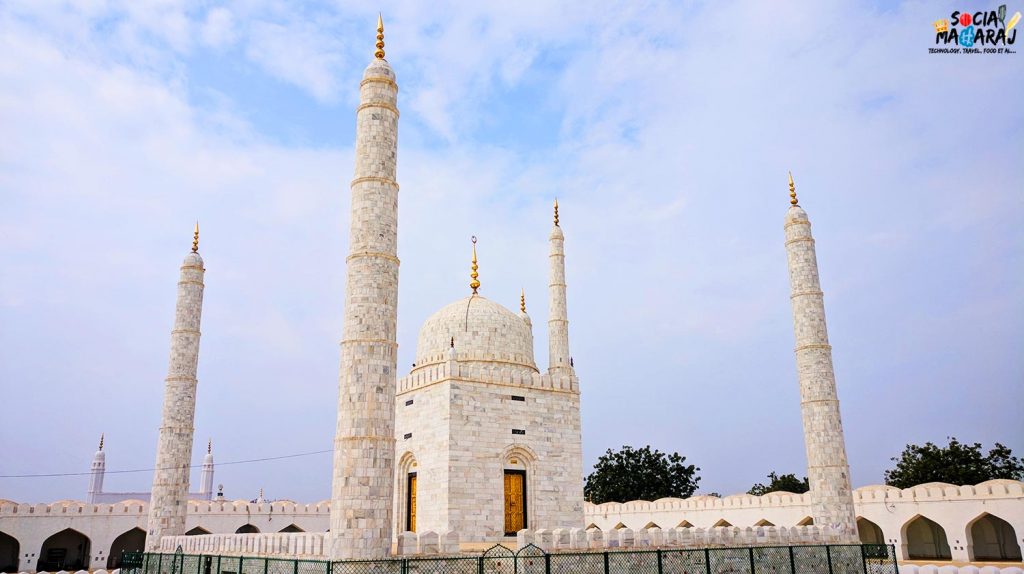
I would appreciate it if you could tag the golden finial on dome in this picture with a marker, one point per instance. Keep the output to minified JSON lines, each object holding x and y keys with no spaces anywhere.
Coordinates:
{"x":556,"y":212}
{"x":195,"y":239}
{"x":101,"y":441}
{"x":474,"y":284}
{"x":792,"y":190}
{"x":522,"y":299}
{"x":380,"y":38}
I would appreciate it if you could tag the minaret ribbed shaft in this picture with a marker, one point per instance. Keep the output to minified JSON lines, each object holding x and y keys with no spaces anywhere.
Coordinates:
{"x":206,"y":477}
{"x":169,"y":501}
{"x":827,"y":467}
{"x":559,"y":361}
{"x":99,"y":469}
{"x":364,"y":445}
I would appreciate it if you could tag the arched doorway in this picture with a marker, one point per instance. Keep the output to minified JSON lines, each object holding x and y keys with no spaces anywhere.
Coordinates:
{"x":65,"y":550}
{"x":517,"y":477}
{"x":807,"y":521}
{"x":132,"y":541}
{"x":247,"y":529}
{"x":763,"y":522}
{"x":992,"y":538}
{"x":9,"y":552}
{"x":291,"y":528}
{"x":870,"y":533}
{"x":925,"y":539}
{"x":197,"y":531}
{"x":721,"y":523}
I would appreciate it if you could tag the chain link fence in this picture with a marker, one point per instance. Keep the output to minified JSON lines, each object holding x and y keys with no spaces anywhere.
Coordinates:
{"x":823,"y":559}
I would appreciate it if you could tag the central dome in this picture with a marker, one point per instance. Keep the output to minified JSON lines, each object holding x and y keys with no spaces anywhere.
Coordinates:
{"x":484,"y":333}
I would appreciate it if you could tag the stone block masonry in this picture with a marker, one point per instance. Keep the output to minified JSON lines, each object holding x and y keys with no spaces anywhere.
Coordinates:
{"x":169,"y":500}
{"x":364,"y":446}
{"x":827,"y":467}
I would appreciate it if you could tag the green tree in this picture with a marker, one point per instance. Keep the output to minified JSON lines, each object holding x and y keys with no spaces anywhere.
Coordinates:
{"x":957,"y":463}
{"x":786,"y":483}
{"x":640,"y":474}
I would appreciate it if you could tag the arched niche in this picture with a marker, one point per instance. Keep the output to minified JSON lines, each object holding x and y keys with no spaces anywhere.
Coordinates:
{"x":133,"y":540}
{"x":925,"y":539}
{"x":10,"y":551}
{"x":407,"y":490}
{"x":990,"y":538}
{"x":763,"y":522}
{"x":65,"y":550}
{"x":806,"y":521}
{"x":197,"y":531}
{"x":247,"y":529}
{"x":291,"y":528}
{"x":652,"y":525}
{"x":720,"y":523}
{"x":870,"y":533}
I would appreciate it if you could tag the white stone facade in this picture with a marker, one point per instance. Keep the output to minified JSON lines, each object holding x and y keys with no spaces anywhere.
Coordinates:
{"x":892,"y":511}
{"x":468,"y":413}
{"x":364,"y":448}
{"x":827,"y":468}
{"x":174,"y":447}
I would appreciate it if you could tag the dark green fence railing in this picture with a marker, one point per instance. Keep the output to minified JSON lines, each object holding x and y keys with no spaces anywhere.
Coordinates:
{"x":824,"y":559}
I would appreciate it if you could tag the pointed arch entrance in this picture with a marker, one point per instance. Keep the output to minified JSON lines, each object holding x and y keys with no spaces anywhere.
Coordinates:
{"x":10,"y":550}
{"x":870,"y":533}
{"x":133,"y":540}
{"x":197,"y":531}
{"x":925,"y":539}
{"x":992,"y":538}
{"x":65,"y":550}
{"x":247,"y":529}
{"x":291,"y":528}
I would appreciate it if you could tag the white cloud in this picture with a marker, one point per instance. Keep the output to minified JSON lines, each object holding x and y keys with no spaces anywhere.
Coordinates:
{"x":219,"y":28}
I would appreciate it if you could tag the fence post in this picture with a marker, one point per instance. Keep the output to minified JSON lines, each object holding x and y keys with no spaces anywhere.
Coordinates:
{"x":895,"y":566}
{"x":266,"y":565}
{"x":159,"y":563}
{"x":330,"y":567}
{"x":547,"y":563}
{"x":792,"y":561}
{"x":606,"y":562}
{"x":751,"y":559}
{"x":863,"y":559}
{"x":296,"y":566}
{"x":707,"y":561}
{"x":480,"y":565}
{"x":660,"y":571}
{"x":828,"y":554}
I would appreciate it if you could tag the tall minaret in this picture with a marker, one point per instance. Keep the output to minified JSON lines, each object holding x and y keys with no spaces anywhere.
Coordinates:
{"x":168,"y":503}
{"x":827,"y":468}
{"x":559,"y":361}
{"x":99,"y":467}
{"x":206,"y":478}
{"x":364,"y":445}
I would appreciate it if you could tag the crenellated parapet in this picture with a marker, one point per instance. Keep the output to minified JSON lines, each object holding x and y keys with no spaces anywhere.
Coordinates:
{"x":477,"y":373}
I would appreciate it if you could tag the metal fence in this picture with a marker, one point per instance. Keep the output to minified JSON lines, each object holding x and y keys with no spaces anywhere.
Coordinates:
{"x":824,"y":559}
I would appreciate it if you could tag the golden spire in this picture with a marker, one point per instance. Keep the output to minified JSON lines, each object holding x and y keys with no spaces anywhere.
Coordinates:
{"x":556,"y":212}
{"x":792,"y":190}
{"x":209,"y":446}
{"x":380,"y":38}
{"x":474,"y":283}
{"x":195,"y":239}
{"x":522,"y":299}
{"x":101,"y":441}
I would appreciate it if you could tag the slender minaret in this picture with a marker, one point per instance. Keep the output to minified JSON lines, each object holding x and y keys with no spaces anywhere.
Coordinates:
{"x":559,"y":362}
{"x":206,"y":478}
{"x":169,"y":501}
{"x":827,"y":468}
{"x":99,"y":468}
{"x":364,"y":445}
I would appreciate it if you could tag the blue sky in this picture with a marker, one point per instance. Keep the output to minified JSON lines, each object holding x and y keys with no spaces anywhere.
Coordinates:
{"x":665,"y":129}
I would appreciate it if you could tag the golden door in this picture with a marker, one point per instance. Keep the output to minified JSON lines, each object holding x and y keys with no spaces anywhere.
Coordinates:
{"x":515,"y":503}
{"x":411,"y":523}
